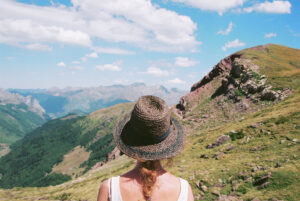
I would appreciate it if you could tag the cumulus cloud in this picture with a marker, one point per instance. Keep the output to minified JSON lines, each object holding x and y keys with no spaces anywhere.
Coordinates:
{"x":110,"y":67}
{"x":76,"y":68}
{"x":152,"y":70}
{"x":110,"y":50}
{"x":276,"y":7}
{"x":213,"y":5}
{"x":134,"y":22}
{"x":184,"y":62}
{"x":233,"y":44}
{"x":61,"y":64}
{"x":175,"y":81}
{"x":38,"y":46}
{"x":226,"y":31}
{"x":92,"y":55}
{"x":270,"y":35}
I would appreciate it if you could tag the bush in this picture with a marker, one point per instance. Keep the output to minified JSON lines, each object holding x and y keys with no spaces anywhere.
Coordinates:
{"x":236,"y":135}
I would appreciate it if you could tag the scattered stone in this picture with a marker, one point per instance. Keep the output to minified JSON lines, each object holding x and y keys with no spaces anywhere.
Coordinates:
{"x":204,"y":188}
{"x":257,"y":168}
{"x":216,"y":192}
{"x":218,"y":156}
{"x":295,"y":140}
{"x":264,"y":185}
{"x":227,"y":198}
{"x":253,"y":126}
{"x":255,"y":148}
{"x":204,"y":156}
{"x":277,"y":165}
{"x":294,"y":156}
{"x":235,"y":185}
{"x":255,"y":199}
{"x":218,"y":142}
{"x":231,"y":146}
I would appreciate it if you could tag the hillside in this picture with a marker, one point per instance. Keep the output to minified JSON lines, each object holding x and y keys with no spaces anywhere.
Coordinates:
{"x":18,"y":115}
{"x":61,"y":149}
{"x":59,"y":102}
{"x":242,"y":130}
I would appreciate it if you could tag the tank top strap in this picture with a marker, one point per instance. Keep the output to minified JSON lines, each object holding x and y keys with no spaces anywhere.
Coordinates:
{"x":114,"y":192}
{"x":184,"y":189}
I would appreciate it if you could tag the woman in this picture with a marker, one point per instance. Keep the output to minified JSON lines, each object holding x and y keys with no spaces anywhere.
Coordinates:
{"x":148,"y":134}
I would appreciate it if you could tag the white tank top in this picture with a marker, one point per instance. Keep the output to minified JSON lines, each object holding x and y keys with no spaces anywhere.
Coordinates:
{"x":114,"y":192}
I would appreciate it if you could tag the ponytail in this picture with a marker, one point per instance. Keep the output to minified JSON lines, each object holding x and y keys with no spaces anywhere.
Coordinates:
{"x":148,"y":174}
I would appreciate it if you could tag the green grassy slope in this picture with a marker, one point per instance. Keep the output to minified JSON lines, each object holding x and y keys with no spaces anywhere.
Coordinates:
{"x":32,"y":159}
{"x":16,"y":121}
{"x":264,"y":142}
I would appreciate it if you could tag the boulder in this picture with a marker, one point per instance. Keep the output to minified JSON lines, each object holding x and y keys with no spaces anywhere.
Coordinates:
{"x":269,"y":95}
{"x":222,"y":139}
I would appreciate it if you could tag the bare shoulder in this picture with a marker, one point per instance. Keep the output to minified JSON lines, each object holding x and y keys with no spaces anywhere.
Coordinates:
{"x":103,"y":191}
{"x":190,"y":194}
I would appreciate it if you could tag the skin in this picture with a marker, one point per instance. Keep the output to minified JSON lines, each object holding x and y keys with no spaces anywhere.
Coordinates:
{"x":167,"y":186}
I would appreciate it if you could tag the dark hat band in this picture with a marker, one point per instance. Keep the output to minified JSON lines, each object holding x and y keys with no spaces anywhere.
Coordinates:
{"x":136,"y":138}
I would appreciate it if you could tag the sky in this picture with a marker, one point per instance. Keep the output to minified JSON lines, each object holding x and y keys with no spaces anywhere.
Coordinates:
{"x":88,"y":43}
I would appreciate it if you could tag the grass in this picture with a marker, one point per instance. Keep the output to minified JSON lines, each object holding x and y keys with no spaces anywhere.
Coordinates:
{"x":256,"y":150}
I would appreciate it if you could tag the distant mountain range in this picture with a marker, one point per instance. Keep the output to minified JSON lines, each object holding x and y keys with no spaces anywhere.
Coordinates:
{"x":242,"y":138}
{"x":59,"y":102}
{"x":18,"y":115}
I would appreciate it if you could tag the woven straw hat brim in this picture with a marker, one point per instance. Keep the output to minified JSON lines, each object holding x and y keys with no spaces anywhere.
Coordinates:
{"x":168,"y":148}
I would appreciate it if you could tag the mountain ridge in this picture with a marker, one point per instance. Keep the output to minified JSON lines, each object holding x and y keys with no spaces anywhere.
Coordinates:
{"x":231,"y":153}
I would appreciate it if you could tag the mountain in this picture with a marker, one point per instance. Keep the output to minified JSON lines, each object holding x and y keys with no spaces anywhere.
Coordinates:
{"x":242,"y":143}
{"x":18,"y":115}
{"x":61,"y":149}
{"x":59,"y":102}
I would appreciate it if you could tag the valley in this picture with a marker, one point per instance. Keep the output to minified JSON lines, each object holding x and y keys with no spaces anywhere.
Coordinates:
{"x":242,"y":126}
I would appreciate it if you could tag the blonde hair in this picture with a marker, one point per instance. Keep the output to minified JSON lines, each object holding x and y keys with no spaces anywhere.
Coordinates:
{"x":148,"y":175}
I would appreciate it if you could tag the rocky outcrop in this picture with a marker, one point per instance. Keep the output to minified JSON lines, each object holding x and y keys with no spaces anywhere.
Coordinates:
{"x":115,"y":153}
{"x":236,"y":78}
{"x":16,"y":99}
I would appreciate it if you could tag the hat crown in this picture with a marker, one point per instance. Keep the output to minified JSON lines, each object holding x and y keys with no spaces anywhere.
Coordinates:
{"x":150,"y":119}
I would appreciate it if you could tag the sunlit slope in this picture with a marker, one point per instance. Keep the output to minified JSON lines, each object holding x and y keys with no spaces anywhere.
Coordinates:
{"x":16,"y":121}
{"x":45,"y":156}
{"x":259,"y":157}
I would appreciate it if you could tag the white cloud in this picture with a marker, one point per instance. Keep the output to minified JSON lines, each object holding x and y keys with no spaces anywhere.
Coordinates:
{"x":277,"y":7}
{"x":184,"y":62}
{"x":213,"y":5}
{"x":227,"y":31}
{"x":134,"y":22}
{"x":25,"y":30}
{"x":110,"y":67}
{"x":109,"y":50}
{"x":61,"y":64}
{"x":92,"y":55}
{"x":38,"y":46}
{"x":270,"y":35}
{"x":233,"y":44}
{"x":76,"y":68}
{"x":75,"y":62}
{"x":175,"y":81}
{"x":152,"y":70}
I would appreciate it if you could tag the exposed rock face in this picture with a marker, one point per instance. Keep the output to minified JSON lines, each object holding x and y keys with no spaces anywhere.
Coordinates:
{"x":16,"y":99}
{"x":113,"y":155}
{"x":235,"y":78}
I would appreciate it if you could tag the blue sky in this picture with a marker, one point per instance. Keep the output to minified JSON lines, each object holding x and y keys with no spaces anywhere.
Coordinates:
{"x":85,"y":43}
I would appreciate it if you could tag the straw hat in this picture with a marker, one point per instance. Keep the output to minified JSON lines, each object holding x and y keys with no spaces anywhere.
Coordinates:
{"x":149,"y":132}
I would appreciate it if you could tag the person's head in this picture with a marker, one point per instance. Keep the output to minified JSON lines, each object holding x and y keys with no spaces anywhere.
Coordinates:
{"x":148,"y":133}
